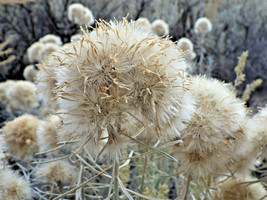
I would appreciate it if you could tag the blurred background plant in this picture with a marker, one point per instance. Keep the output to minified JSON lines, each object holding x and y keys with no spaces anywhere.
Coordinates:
{"x":232,"y":47}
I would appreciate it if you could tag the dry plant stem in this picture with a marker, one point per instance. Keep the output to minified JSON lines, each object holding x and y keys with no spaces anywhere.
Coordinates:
{"x":143,"y":175}
{"x":80,"y":192}
{"x":81,"y":185}
{"x":189,"y":178}
{"x":116,"y":181}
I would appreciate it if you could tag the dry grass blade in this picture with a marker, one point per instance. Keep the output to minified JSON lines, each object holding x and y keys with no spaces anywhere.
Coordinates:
{"x":143,"y":196}
{"x":48,"y":161}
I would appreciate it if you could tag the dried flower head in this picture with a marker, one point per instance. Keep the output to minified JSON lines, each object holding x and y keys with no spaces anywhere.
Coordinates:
{"x":21,"y":95}
{"x":20,"y":136}
{"x":202,"y":26}
{"x":50,"y":38}
{"x":79,"y":14}
{"x":59,"y":172}
{"x":29,"y":73}
{"x":144,"y":24}
{"x":3,"y":88}
{"x":13,"y":187}
{"x":33,"y":52}
{"x":160,"y":27}
{"x":47,"y":49}
{"x":185,"y":44}
{"x":115,"y":80}
{"x":214,"y":138}
{"x":47,"y":132}
{"x":239,"y":188}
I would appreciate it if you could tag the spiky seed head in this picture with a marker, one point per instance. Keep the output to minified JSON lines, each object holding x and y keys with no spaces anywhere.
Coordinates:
{"x":214,"y":138}
{"x":33,"y":52}
{"x":50,"y":38}
{"x":13,"y":187}
{"x":160,"y":27}
{"x":202,"y":26}
{"x":20,"y":136}
{"x":61,"y":172}
{"x":22,"y":95}
{"x":29,"y":73}
{"x":238,"y":187}
{"x":114,"y":81}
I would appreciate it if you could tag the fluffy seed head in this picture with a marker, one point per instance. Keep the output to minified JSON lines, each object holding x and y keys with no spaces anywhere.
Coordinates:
{"x":47,"y":49}
{"x":190,"y":55}
{"x":185,"y":44}
{"x":79,"y":14}
{"x":202,"y":26}
{"x":47,"y":133}
{"x":214,"y":137}
{"x":3,"y":88}
{"x":20,"y":136}
{"x":22,"y":96}
{"x":144,"y":24}
{"x":33,"y":52}
{"x":160,"y":27}
{"x":60,"y":172}
{"x":13,"y":187}
{"x":115,"y":80}
{"x":238,"y":188}
{"x":29,"y":73}
{"x":50,"y":38}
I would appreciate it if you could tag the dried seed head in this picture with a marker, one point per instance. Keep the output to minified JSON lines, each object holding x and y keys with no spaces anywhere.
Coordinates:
{"x":60,"y":172}
{"x":239,"y":188}
{"x":21,"y":95}
{"x":202,"y":26}
{"x":33,"y":52}
{"x":114,"y":81}
{"x":185,"y":44}
{"x":144,"y":24}
{"x":13,"y":187}
{"x":160,"y":27}
{"x":79,"y":14}
{"x":50,"y":38}
{"x":47,"y":133}
{"x":20,"y":136}
{"x":214,"y":139}
{"x":47,"y":49}
{"x":29,"y":73}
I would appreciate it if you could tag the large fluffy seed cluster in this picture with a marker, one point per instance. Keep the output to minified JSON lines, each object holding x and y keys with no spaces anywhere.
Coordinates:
{"x":18,"y":95}
{"x":20,"y":136}
{"x":214,"y":139}
{"x":116,"y":80}
{"x":13,"y":187}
